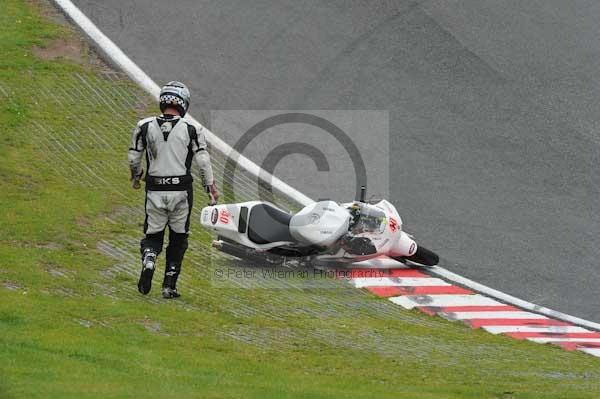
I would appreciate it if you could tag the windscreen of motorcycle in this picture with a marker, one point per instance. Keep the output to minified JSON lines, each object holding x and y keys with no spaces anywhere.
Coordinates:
{"x":321,"y":223}
{"x":370,"y":219}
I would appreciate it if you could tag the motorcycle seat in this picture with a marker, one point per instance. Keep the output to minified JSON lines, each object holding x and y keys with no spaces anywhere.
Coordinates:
{"x":268,"y":224}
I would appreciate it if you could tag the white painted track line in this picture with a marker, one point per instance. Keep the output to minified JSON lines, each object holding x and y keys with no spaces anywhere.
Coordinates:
{"x":492,"y":315}
{"x":509,"y":299}
{"x":539,"y":329}
{"x":544,"y":340}
{"x":591,"y":351}
{"x":381,"y":262}
{"x":361,"y":282}
{"x":411,"y":301}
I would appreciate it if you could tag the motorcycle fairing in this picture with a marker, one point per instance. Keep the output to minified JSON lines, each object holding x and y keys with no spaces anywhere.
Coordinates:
{"x":255,"y":224}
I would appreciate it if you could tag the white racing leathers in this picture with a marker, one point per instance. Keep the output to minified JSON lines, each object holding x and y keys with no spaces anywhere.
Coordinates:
{"x":171,"y":145}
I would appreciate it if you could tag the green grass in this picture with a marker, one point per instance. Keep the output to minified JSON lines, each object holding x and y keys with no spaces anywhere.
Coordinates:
{"x":73,"y":325}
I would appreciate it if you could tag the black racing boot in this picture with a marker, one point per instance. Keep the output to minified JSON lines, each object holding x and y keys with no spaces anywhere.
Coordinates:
{"x":169,"y":287}
{"x":170,"y":293}
{"x":148,"y":266}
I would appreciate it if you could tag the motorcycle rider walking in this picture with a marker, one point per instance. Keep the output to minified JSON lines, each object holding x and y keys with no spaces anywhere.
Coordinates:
{"x":171,"y":144}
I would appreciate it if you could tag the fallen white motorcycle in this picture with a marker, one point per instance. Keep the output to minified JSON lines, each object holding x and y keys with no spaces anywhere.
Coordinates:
{"x":324,"y":232}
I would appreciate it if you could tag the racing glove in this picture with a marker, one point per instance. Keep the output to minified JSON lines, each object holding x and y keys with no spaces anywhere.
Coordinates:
{"x":213,"y":193}
{"x":136,"y":176}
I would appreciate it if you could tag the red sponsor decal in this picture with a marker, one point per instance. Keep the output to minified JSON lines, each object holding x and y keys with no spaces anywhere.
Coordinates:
{"x":393,"y":225}
{"x":224,"y":216}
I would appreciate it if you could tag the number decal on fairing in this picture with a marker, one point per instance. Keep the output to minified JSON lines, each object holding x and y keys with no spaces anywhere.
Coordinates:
{"x":224,"y":216}
{"x":393,"y":225}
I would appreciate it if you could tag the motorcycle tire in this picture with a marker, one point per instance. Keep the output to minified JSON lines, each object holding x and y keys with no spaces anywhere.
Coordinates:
{"x":424,"y":257}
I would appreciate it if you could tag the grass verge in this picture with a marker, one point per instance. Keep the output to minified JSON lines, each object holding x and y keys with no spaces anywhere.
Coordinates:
{"x":73,"y":325}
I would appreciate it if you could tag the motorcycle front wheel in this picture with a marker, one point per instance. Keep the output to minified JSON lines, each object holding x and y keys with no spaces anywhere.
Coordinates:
{"x":423,"y":256}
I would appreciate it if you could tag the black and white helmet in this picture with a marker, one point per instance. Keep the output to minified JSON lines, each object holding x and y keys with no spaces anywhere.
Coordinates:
{"x":175,"y":94}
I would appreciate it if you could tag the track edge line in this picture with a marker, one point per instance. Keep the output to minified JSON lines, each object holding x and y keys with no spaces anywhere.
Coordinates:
{"x":506,"y":298}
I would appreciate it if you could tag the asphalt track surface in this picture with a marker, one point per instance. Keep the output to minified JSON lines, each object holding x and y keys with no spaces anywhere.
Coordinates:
{"x":493,"y":110}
